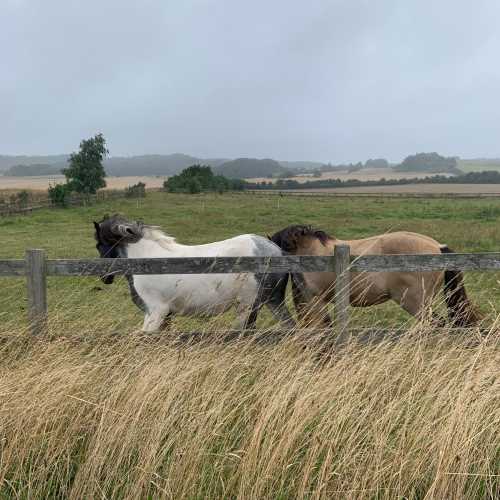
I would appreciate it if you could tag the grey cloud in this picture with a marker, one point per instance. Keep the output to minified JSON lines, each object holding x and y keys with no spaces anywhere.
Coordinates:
{"x":324,"y":80}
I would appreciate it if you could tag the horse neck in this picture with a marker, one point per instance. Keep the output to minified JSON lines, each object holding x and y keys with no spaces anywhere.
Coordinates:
{"x":332,"y":242}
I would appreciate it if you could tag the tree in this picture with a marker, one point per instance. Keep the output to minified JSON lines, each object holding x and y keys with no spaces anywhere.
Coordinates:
{"x":377,"y":163}
{"x":85,"y":173}
{"x":429,"y":162}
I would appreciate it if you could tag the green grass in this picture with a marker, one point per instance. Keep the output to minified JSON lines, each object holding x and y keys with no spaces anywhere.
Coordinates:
{"x":135,"y":418}
{"x":465,"y":225}
{"x":478,"y":165}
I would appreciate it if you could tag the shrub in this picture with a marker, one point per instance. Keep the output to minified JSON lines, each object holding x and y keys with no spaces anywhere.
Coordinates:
{"x":20,"y":199}
{"x":198,"y":178}
{"x":136,"y":191}
{"x":59,"y":194}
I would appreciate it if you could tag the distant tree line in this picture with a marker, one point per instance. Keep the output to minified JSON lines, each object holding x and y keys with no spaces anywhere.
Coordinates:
{"x":485,"y":177}
{"x":33,"y":170}
{"x":429,"y":162}
{"x":200,"y":178}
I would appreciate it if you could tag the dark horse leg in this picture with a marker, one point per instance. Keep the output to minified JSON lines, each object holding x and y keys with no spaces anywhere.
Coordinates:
{"x":310,"y":309}
{"x":271,"y":292}
{"x":461,"y":311}
{"x":167,"y":322}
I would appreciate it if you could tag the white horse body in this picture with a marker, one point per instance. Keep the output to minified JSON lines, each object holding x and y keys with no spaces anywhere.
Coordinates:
{"x":196,"y":294}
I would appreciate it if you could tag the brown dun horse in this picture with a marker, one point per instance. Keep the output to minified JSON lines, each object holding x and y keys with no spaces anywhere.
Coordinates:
{"x":413,"y":291}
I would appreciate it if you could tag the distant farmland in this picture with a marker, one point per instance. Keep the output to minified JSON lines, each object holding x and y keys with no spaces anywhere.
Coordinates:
{"x":458,"y":189}
{"x":42,"y":182}
{"x":478,"y":165}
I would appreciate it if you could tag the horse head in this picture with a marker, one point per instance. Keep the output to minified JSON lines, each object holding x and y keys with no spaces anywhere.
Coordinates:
{"x":112,"y":234}
{"x":291,"y":238}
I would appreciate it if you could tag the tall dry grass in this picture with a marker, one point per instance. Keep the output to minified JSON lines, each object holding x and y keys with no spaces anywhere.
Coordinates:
{"x":417,"y":418}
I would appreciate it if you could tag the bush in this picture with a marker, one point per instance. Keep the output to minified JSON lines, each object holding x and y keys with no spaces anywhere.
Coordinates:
{"x":136,"y":191}
{"x":59,"y":194}
{"x":193,"y":185}
{"x":198,"y":178}
{"x":20,"y":199}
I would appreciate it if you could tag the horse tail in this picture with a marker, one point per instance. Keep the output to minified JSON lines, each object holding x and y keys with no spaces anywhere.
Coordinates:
{"x":461,"y":311}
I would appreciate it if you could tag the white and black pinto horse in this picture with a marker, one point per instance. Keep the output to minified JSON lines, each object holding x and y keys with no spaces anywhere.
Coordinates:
{"x":162,"y":296}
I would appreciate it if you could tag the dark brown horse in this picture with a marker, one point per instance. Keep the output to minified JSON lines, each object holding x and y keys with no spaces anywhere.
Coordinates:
{"x":413,"y":291}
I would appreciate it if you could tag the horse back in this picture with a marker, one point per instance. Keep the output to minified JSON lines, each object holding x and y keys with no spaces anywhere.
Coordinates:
{"x":400,"y":242}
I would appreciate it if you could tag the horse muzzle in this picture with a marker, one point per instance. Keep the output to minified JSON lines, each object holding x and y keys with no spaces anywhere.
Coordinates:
{"x":130,"y":233}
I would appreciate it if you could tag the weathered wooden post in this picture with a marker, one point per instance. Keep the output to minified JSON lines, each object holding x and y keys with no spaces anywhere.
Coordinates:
{"x":36,"y":281}
{"x":342,"y":256}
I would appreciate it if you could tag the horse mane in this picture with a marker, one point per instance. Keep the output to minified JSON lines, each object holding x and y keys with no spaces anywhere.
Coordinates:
{"x":288,"y":239}
{"x":154,"y":233}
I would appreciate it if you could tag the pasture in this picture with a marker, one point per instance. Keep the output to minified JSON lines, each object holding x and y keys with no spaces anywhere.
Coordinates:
{"x":122,"y":417}
{"x":465,"y":225}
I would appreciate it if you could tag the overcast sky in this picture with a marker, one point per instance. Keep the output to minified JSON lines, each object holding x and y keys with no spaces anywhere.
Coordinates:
{"x":320,"y":80}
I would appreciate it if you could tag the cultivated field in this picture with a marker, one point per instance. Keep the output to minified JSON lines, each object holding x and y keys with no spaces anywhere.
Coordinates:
{"x":368,"y":174}
{"x":42,"y":183}
{"x":100,"y":412}
{"x":431,"y":189}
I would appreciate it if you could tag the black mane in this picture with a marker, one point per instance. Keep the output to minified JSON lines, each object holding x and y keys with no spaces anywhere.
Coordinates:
{"x":287,"y":239}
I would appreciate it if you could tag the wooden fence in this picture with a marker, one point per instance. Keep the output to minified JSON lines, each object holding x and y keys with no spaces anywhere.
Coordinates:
{"x":36,"y":267}
{"x":327,"y":193}
{"x":72,"y":201}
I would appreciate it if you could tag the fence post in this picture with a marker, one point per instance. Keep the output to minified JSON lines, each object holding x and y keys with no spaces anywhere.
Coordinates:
{"x":36,"y":281}
{"x":342,"y":256}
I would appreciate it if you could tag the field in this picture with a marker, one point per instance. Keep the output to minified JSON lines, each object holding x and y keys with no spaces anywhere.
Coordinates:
{"x":41,"y":183}
{"x":478,"y":165}
{"x":419,"y":189}
{"x":368,"y":174}
{"x":100,"y":412}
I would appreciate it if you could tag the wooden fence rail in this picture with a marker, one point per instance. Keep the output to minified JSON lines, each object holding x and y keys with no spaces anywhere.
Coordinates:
{"x":36,"y":267}
{"x":7,"y":209}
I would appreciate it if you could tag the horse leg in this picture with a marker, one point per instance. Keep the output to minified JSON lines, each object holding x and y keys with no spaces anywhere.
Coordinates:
{"x":273,"y":293}
{"x":247,"y":316}
{"x":167,"y":322}
{"x":154,"y":320}
{"x":299,"y":294}
{"x":414,"y":301}
{"x":312,"y":310}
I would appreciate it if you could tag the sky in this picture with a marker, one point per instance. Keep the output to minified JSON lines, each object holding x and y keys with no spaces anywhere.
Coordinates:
{"x":324,"y":80}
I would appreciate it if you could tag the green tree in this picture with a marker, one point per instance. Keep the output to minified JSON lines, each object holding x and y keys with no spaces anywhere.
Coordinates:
{"x":85,"y":173}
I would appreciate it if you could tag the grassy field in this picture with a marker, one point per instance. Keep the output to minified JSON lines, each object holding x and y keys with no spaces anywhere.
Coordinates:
{"x":134,"y":419}
{"x":478,"y":165}
{"x":465,"y":225}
